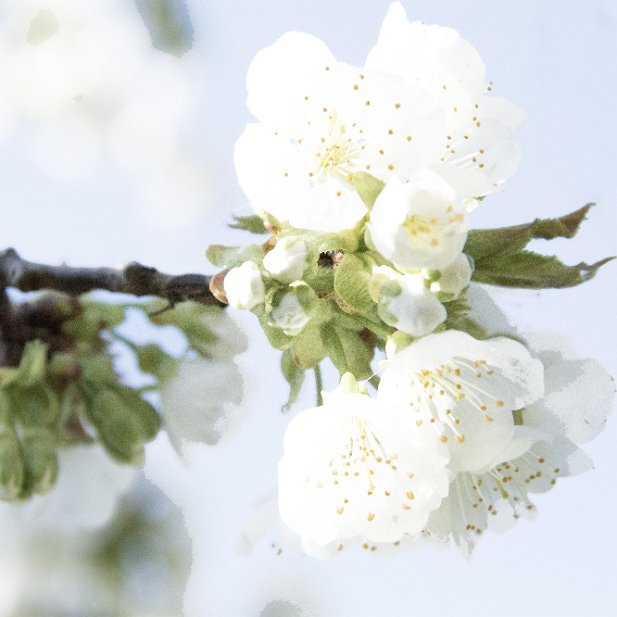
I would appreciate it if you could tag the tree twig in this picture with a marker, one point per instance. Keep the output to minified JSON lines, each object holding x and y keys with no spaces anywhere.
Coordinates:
{"x":134,"y":279}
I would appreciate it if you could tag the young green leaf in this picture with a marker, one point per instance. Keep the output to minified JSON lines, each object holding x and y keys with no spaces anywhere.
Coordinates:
{"x":253,"y":224}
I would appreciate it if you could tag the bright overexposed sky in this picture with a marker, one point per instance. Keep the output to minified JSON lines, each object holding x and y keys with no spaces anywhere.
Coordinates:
{"x":554,"y":58}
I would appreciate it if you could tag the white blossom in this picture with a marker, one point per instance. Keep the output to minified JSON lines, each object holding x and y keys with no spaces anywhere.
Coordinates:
{"x":244,"y":286}
{"x":477,"y":154}
{"x":578,"y":396}
{"x":289,"y":315}
{"x":405,"y":303}
{"x":462,"y":392}
{"x":418,"y":224}
{"x":286,"y":262}
{"x":453,"y":279}
{"x":353,"y":473}
{"x":199,"y":401}
{"x":320,"y":121}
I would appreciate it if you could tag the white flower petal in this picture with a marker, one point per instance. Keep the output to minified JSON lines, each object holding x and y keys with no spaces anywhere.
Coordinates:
{"x":352,"y":474}
{"x":426,"y":52}
{"x":287,"y":261}
{"x":281,"y":78}
{"x":244,"y":286}
{"x":462,"y":391}
{"x":579,"y":395}
{"x":198,"y":402}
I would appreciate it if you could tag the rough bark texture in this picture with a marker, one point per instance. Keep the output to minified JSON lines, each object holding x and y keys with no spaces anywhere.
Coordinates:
{"x":26,"y":321}
{"x":134,"y":279}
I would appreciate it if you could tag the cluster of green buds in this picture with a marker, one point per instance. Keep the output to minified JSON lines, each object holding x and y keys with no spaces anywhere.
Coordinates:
{"x":63,"y":389}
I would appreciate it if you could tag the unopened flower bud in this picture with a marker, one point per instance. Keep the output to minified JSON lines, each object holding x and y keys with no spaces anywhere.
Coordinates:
{"x":41,"y":462}
{"x":11,"y":465}
{"x":244,"y":286}
{"x":454,"y":278}
{"x":289,"y":315}
{"x":286,"y":262}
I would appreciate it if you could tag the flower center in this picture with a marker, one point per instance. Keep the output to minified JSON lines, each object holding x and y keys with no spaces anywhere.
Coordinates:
{"x":427,"y":230}
{"x":336,"y":151}
{"x":437,"y":393}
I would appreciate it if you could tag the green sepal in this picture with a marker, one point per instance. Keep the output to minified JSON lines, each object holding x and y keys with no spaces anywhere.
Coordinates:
{"x":253,"y":224}
{"x":347,"y":240}
{"x":348,"y":351}
{"x":307,"y":348}
{"x":40,"y":463}
{"x":232,"y":256}
{"x":458,"y":319}
{"x":319,"y":278}
{"x":294,"y":376}
{"x":368,"y":187}
{"x":11,"y":465}
{"x":351,"y":284}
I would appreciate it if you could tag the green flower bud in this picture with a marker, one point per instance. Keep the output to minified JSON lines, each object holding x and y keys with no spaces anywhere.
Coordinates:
{"x":122,"y":439}
{"x":33,"y":366}
{"x":37,"y":406}
{"x":11,"y":465}
{"x":123,"y":421}
{"x":152,"y":359}
{"x":40,"y":462}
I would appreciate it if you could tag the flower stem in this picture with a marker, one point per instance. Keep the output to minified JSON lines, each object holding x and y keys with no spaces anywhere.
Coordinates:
{"x":318,"y":385}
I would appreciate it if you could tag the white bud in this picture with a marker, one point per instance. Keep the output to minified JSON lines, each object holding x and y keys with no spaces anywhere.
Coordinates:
{"x":381,"y":275}
{"x":289,"y":315}
{"x":409,"y":306}
{"x":455,"y":277}
{"x":286,"y":262}
{"x":244,"y":286}
{"x":418,"y":224}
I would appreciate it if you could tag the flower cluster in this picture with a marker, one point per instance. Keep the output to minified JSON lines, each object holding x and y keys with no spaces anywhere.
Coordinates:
{"x":365,"y":178}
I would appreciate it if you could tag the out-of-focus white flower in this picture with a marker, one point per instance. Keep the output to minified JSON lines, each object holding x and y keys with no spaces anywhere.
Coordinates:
{"x":230,"y":338}
{"x":286,"y":262}
{"x":353,"y":473}
{"x":87,"y":490}
{"x":453,"y":279}
{"x":320,"y":122}
{"x":461,"y":391}
{"x":477,"y":153}
{"x":84,"y":99}
{"x":289,"y":315}
{"x":244,"y":286}
{"x":418,"y":224}
{"x":199,"y":400}
{"x":578,"y":396}
{"x":405,"y":303}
